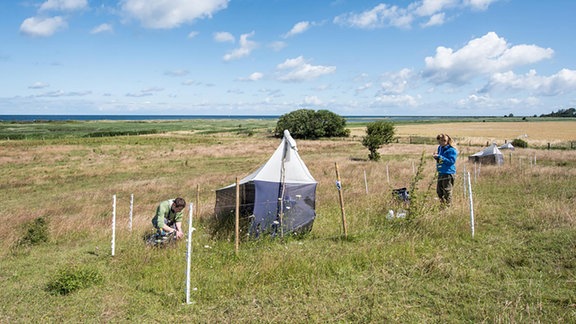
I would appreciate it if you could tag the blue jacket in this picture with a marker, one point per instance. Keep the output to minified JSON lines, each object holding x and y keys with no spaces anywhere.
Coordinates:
{"x":446,"y":162}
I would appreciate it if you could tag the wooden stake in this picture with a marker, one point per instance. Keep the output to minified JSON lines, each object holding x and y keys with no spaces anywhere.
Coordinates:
{"x":237,"y":222}
{"x":339,"y":186}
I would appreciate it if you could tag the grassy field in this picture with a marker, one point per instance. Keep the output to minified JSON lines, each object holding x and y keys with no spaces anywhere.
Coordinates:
{"x":519,"y":267}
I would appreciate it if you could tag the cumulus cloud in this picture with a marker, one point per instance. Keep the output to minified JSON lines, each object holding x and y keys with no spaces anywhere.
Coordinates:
{"x":485,"y":55}
{"x":298,"y":28}
{"x":42,"y":27}
{"x":253,"y":77}
{"x":103,"y":28}
{"x":223,"y":37}
{"x":560,"y":83}
{"x":193,"y":34}
{"x":299,"y":70}
{"x":63,"y":5}
{"x":170,"y":14}
{"x":397,"y":82}
{"x":427,"y":12}
{"x":245,"y":49}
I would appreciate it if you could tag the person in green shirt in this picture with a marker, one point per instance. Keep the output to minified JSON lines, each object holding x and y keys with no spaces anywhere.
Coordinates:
{"x":168,"y":218}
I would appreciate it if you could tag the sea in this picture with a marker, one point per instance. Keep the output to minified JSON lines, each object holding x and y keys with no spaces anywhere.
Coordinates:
{"x":38,"y":118}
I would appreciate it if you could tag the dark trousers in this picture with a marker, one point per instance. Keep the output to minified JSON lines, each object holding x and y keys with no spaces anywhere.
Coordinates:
{"x":444,"y":188}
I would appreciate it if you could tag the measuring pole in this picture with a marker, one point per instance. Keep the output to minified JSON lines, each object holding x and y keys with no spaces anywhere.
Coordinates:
{"x":113,"y":224}
{"x":189,"y":254}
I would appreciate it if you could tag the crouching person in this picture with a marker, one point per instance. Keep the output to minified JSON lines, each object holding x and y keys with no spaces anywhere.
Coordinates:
{"x":168,"y":218}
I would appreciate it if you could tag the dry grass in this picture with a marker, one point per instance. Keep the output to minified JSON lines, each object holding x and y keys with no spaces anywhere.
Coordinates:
{"x":479,"y":133}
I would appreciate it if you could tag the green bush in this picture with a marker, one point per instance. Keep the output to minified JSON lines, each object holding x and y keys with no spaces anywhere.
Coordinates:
{"x":36,"y":233}
{"x":519,"y":143}
{"x":310,"y":124}
{"x":378,"y":133}
{"x":73,"y":278}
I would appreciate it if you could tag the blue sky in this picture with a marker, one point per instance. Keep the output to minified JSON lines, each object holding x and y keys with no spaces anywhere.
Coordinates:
{"x":270,"y":57}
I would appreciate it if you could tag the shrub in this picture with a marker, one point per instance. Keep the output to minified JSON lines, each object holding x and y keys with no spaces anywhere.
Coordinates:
{"x":36,"y":233}
{"x":73,"y":278}
{"x":519,"y":143}
{"x":310,"y":124}
{"x":378,"y":133}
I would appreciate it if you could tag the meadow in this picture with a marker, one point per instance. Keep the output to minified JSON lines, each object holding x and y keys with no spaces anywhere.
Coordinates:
{"x":520,"y":266}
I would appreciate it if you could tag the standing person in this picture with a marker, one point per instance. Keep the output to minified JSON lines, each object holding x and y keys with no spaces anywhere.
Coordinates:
{"x":446,"y":166}
{"x":168,"y":218}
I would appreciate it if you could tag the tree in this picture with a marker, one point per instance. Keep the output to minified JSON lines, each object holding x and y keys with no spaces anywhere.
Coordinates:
{"x":310,"y":124}
{"x":378,"y":133}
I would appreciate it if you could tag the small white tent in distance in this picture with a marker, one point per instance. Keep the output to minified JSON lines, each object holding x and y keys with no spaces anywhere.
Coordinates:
{"x":490,"y":155}
{"x":279,"y":197}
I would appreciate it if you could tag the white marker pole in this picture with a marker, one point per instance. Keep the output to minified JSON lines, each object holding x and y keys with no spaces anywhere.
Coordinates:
{"x":365,"y":182}
{"x":471,"y":205}
{"x":387,"y":174}
{"x":131,"y":211}
{"x":113,"y":223}
{"x":188,"y":254}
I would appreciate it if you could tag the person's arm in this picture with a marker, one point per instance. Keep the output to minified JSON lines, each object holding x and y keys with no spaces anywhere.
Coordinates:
{"x":449,"y":156}
{"x":179,"y":232}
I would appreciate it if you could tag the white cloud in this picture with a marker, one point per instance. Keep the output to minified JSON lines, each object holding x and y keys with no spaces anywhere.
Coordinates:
{"x":478,"y":4}
{"x":363,"y":87}
{"x":193,"y":34}
{"x":431,"y":7}
{"x":103,"y":28}
{"x":396,"y":83}
{"x":560,"y":83}
{"x":245,"y":49}
{"x":312,"y":100}
{"x":432,"y":12}
{"x":300,"y":70}
{"x":382,"y":15}
{"x":38,"y":85}
{"x":298,"y":28}
{"x":396,"y":100}
{"x":277,"y":46}
{"x":253,"y":77}
{"x":223,"y":37}
{"x":42,"y":27}
{"x":64,"y":5}
{"x":484,"y":55}
{"x":170,"y":14}
{"x":435,"y":20}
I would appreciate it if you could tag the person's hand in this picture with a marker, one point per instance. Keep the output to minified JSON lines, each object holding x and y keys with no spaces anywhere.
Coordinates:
{"x":179,"y":234}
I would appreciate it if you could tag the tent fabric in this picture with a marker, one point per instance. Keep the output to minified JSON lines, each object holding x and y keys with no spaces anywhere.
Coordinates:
{"x":279,"y":197}
{"x":490,"y":155}
{"x":507,"y":146}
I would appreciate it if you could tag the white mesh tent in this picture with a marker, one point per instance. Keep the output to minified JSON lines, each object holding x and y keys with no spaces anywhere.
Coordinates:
{"x":489,"y":155}
{"x":279,"y":197}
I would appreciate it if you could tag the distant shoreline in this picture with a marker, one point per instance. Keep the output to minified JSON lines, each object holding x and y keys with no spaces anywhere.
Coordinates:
{"x":32,"y":118}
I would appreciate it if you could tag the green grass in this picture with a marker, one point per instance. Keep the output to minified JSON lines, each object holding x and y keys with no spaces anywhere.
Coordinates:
{"x":519,"y":267}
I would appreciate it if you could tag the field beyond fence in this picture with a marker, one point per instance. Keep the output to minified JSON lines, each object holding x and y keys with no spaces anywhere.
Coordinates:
{"x":57,"y":184}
